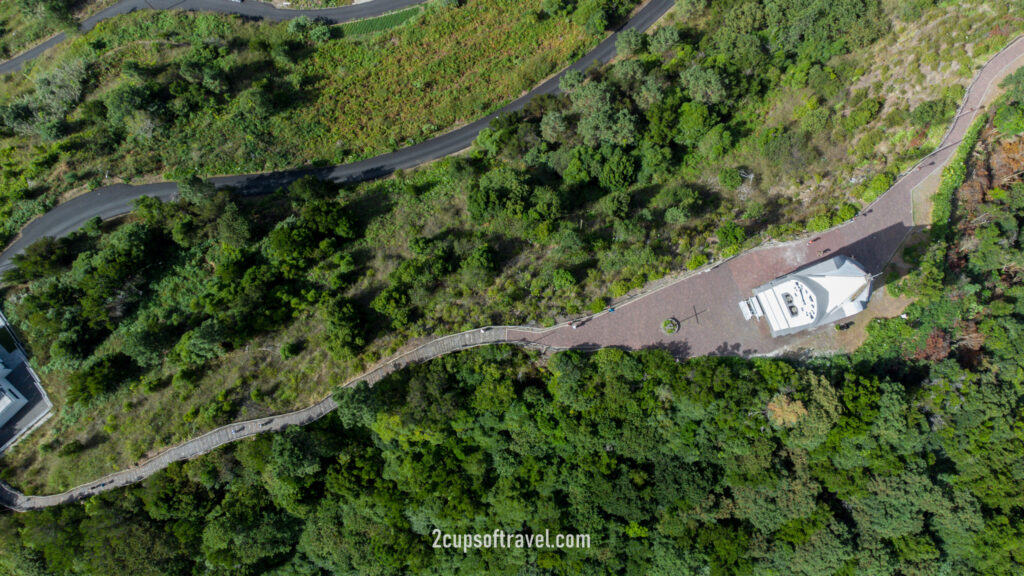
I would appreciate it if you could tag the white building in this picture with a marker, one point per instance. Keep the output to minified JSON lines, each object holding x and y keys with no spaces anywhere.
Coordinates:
{"x":11,"y":401}
{"x":817,"y":295}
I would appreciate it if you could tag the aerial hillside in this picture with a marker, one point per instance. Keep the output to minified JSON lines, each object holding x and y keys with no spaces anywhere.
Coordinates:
{"x":722,"y":131}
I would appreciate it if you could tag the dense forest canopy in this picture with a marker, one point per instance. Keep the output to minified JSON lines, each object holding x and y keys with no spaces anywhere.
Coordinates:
{"x":720,"y":466}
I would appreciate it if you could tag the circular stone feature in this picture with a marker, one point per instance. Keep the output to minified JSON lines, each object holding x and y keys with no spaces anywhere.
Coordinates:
{"x":670,"y":326}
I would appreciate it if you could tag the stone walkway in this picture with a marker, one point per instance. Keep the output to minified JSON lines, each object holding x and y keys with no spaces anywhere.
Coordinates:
{"x":705,"y":303}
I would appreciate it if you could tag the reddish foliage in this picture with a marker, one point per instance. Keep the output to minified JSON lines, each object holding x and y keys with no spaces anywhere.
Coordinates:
{"x":969,"y":344}
{"x":936,"y":347}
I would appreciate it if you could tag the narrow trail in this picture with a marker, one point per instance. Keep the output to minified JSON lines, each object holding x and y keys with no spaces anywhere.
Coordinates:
{"x":238,"y":430}
{"x":705,"y":302}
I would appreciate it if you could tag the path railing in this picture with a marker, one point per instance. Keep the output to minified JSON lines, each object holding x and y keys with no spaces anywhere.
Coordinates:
{"x":229,"y":433}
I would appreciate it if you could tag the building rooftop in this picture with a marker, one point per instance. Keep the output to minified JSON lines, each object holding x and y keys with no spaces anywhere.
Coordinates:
{"x":11,"y":401}
{"x":814,"y":296}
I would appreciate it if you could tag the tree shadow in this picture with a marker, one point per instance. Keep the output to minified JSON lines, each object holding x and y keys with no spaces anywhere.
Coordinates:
{"x":733,"y":349}
{"x":680,"y":349}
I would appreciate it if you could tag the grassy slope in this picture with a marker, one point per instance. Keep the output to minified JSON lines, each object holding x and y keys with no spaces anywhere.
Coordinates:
{"x":19,"y":32}
{"x":361,"y":93}
{"x":463,"y":87}
{"x":930,"y":51}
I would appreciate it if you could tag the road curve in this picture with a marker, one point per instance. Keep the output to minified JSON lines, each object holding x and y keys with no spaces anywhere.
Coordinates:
{"x":253,"y":9}
{"x":634,"y":323}
{"x":111,"y":201}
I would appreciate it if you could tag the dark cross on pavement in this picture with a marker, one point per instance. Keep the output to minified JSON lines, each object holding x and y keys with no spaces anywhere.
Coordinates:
{"x":695,"y":316}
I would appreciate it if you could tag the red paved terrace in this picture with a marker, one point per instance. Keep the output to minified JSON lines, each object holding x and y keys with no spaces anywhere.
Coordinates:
{"x":706,"y":304}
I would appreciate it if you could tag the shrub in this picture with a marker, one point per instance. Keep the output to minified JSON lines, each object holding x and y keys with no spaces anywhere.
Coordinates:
{"x":629,"y":42}
{"x":554,"y":7}
{"x":670,"y":326}
{"x":71,"y":448}
{"x":730,"y":234}
{"x":875,"y":187}
{"x":102,"y":376}
{"x":953,"y":176}
{"x":754,"y":211}
{"x":814,"y":121}
{"x":819,"y":223}
{"x":690,"y":8}
{"x":865,"y":147}
{"x":292,"y":349}
{"x":729,"y":178}
{"x":930,"y":112}
{"x":846,"y":212}
{"x":696,"y":261}
{"x":1009,"y":119}
{"x":664,"y":39}
{"x":862,"y":114}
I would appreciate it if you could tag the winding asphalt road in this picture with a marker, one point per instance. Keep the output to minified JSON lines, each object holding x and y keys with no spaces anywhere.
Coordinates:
{"x":254,"y":9}
{"x":711,"y":294}
{"x":110,"y":201}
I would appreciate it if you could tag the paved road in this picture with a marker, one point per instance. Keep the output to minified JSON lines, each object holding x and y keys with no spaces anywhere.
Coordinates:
{"x":111,"y":201}
{"x":253,"y":9}
{"x":705,"y":302}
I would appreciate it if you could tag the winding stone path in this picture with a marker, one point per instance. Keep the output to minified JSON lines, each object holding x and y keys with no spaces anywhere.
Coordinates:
{"x":705,"y":302}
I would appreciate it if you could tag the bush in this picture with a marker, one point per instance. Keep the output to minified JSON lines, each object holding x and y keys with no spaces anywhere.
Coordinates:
{"x":670,"y":326}
{"x":554,"y":7}
{"x":730,"y":234}
{"x":664,"y":39}
{"x":71,"y":448}
{"x":102,"y":376}
{"x":819,"y":223}
{"x":629,"y":42}
{"x":690,"y":8}
{"x":953,"y":176}
{"x":754,"y":211}
{"x":814,"y":121}
{"x":875,"y":187}
{"x":696,"y":261}
{"x":729,"y":178}
{"x":293,"y":349}
{"x":862,"y":114}
{"x":1009,"y":119}
{"x":846,"y":212}
{"x":930,"y":112}
{"x":865,"y":147}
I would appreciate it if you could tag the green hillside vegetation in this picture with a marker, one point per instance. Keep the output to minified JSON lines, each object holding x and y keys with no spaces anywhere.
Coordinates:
{"x":720,"y":466}
{"x":902,"y":458}
{"x":151,"y":93}
{"x":24,"y":23}
{"x":246,"y":307}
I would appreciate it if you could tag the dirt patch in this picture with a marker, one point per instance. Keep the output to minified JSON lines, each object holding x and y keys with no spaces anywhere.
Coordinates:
{"x":1007,"y":162}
